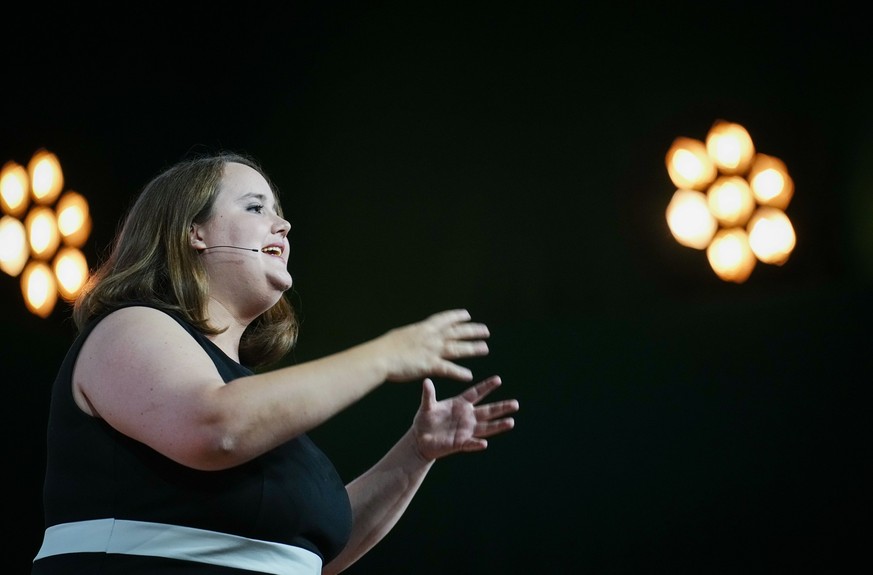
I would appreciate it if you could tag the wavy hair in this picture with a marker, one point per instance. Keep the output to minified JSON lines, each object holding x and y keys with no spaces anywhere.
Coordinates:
{"x":152,"y":262}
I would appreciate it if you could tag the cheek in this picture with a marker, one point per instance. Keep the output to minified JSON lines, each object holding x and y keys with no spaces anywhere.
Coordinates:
{"x":231,"y":233}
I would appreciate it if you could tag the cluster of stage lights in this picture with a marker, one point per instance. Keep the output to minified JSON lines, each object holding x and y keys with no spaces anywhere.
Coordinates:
{"x":41,"y":232}
{"x":730,"y":201}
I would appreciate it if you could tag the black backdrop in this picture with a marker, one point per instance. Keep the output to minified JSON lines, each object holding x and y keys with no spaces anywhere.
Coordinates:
{"x":509,"y":159}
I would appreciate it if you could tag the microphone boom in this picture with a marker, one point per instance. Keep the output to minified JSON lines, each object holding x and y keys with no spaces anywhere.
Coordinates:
{"x":234,"y":247}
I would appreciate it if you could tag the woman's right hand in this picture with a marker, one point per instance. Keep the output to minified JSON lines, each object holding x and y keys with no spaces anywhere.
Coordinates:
{"x":428,"y":348}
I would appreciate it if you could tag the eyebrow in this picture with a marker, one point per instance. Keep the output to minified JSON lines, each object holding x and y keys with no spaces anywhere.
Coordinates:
{"x":253,"y":196}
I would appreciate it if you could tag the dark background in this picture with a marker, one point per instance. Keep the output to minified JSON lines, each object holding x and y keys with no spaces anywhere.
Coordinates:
{"x":509,"y":158}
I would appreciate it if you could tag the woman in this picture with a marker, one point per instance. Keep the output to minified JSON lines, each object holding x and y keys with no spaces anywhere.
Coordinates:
{"x":168,"y":453}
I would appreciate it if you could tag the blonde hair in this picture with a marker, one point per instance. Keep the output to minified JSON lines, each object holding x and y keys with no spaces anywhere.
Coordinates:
{"x":152,"y":261}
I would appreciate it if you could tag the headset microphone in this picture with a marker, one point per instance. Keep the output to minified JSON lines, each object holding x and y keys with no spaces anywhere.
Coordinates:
{"x":234,"y":247}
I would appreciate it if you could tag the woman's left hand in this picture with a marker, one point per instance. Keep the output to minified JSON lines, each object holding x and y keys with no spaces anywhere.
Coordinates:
{"x":458,"y":423}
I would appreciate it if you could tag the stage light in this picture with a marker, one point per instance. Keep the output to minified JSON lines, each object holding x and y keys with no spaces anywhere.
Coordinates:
{"x":74,"y":220}
{"x":14,"y":196}
{"x":730,"y":147}
{"x":52,"y":230}
{"x":42,"y":232}
{"x":771,"y":235}
{"x":46,"y":177}
{"x":691,"y":222}
{"x":689,"y":165}
{"x":770,"y":182}
{"x":730,"y":201}
{"x":14,"y":249}
{"x":39,"y":288}
{"x":730,"y":256}
{"x":71,"y":271}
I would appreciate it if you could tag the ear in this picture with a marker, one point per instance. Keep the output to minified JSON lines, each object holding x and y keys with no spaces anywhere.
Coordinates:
{"x":195,"y":239}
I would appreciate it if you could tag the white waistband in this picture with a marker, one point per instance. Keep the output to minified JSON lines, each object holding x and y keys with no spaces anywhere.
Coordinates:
{"x":175,"y":542}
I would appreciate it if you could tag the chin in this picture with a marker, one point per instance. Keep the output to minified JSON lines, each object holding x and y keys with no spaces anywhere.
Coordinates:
{"x":283,"y":284}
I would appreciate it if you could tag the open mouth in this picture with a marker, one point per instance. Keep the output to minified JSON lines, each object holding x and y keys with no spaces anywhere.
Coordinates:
{"x":272,"y":250}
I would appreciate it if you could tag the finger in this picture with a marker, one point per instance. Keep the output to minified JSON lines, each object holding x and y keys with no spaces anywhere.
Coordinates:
{"x":449,"y":317}
{"x":496,"y":409}
{"x":457,"y":349}
{"x":476,"y":393}
{"x":468,"y":331}
{"x":428,"y":394}
{"x":475,"y":444}
{"x":492,"y":428}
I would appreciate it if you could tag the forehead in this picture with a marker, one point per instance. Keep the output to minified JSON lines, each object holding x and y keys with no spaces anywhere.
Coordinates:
{"x":240,"y":181}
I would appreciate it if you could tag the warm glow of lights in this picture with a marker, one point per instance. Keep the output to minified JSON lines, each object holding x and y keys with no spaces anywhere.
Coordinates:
{"x":28,"y":242}
{"x":730,"y":200}
{"x":689,"y":219}
{"x":730,"y":147}
{"x":14,"y":196}
{"x":688,"y":164}
{"x":39,"y":236}
{"x":771,"y":235}
{"x":71,"y":270}
{"x":771,"y":184}
{"x":730,"y":255}
{"x":42,"y":232}
{"x":74,"y":221}
{"x":46,"y":177}
{"x":39,"y":288}
{"x":740,"y":220}
{"x":13,"y":246}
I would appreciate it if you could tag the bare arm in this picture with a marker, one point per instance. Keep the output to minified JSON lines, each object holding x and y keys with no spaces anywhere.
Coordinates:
{"x":382,"y":494}
{"x":142,"y":373}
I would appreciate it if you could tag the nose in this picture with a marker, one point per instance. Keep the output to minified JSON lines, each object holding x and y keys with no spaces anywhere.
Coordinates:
{"x":281,"y":226}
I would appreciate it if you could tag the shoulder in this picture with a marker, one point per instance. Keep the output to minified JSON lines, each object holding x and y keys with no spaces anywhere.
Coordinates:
{"x":136,"y":313}
{"x":137,"y":339}
{"x":130,"y":322}
{"x":138,"y":327}
{"x":138,"y":348}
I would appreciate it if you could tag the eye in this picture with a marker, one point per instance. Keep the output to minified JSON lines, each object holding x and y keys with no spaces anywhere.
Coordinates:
{"x":257,"y":208}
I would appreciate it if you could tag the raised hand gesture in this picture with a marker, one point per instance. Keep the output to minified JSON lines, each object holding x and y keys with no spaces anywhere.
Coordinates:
{"x":460,"y":423}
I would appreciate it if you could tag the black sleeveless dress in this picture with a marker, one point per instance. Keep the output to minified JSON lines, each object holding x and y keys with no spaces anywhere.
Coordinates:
{"x":291,"y":495}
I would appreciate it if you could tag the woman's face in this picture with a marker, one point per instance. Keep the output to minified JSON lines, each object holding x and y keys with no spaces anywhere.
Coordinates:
{"x":255,"y":271}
